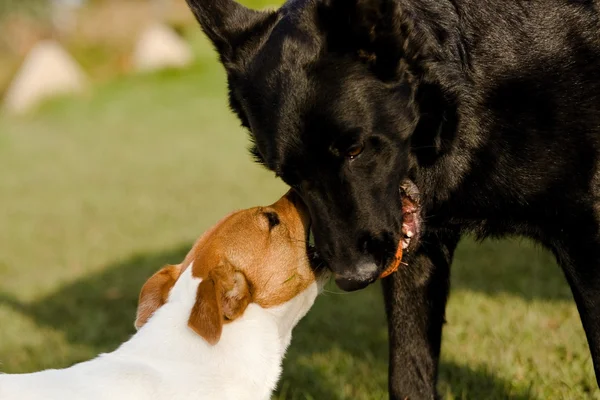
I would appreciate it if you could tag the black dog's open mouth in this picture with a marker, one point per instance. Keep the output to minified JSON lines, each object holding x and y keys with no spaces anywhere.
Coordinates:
{"x":411,"y":225}
{"x":411,"y":219}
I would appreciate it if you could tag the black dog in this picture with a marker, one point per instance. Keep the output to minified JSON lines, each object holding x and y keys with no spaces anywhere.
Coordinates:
{"x":491,"y":108}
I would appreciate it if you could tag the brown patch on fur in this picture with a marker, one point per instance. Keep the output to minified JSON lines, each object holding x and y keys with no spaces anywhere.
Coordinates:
{"x":206,"y":316}
{"x":242,"y":259}
{"x":224,"y":295}
{"x":274,"y":261}
{"x":155,"y":293}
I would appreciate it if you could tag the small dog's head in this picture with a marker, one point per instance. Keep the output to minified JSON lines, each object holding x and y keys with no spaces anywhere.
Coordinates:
{"x":259,"y":255}
{"x":333,"y":93}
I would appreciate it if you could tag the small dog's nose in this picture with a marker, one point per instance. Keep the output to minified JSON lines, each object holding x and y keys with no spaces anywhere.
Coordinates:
{"x":357,"y":278}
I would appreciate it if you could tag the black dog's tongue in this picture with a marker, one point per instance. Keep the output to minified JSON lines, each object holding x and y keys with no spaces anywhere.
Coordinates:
{"x":410,"y":224}
{"x":410,"y":212}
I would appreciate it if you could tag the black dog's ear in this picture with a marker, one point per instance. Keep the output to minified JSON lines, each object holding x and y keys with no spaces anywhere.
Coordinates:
{"x":233,"y":28}
{"x":399,"y":43}
{"x":435,"y":133}
{"x":369,"y":29}
{"x":379,"y":32}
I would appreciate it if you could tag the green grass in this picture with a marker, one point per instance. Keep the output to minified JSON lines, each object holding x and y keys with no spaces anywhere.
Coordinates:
{"x":98,"y":193}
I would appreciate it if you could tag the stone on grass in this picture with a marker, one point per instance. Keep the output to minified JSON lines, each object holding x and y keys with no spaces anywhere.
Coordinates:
{"x":48,"y":71}
{"x":159,"y":47}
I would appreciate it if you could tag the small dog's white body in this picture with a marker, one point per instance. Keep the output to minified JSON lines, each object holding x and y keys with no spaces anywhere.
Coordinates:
{"x":166,"y":359}
{"x":170,"y":359}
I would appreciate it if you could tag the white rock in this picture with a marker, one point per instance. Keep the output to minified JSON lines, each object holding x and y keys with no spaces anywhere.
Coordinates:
{"x":48,"y":71}
{"x":160,"y":47}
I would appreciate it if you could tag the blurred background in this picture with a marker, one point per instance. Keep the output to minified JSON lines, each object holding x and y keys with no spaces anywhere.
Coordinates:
{"x":117,"y":175}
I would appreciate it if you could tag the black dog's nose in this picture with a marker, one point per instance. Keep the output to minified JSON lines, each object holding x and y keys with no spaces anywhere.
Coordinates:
{"x":350,"y":285}
{"x":357,"y":278}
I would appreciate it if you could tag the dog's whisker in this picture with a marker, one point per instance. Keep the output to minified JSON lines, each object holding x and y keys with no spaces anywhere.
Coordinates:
{"x":334,"y":292}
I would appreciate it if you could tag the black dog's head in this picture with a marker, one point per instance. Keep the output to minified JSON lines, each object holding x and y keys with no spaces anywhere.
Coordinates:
{"x":328,"y":91}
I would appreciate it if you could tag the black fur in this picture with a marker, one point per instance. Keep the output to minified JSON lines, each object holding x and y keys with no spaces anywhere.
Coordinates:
{"x":491,"y":107}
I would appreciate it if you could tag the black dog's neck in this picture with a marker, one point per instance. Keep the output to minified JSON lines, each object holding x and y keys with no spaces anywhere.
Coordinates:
{"x":477,"y":158}
{"x":439,"y":59}
{"x":435,"y":43}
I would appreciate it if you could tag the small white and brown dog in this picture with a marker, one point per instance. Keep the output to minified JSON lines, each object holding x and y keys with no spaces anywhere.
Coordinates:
{"x":214,"y":327}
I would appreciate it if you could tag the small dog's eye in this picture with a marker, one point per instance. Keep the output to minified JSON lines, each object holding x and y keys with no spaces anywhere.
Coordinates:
{"x":272,"y":218}
{"x":354,"y":151}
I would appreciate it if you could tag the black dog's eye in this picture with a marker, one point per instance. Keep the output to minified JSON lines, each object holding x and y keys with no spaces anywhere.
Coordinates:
{"x":354,"y":151}
{"x":272,"y":218}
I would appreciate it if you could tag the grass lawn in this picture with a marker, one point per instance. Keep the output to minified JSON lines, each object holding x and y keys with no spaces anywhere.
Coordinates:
{"x":96,"y":194}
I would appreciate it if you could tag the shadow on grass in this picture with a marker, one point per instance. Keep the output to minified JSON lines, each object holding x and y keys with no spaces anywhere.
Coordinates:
{"x":339,"y":351}
{"x":98,"y":311}
{"x":517,"y":267}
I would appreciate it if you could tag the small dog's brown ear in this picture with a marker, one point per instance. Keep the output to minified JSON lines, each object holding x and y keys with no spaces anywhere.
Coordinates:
{"x":222,"y":296}
{"x":206,"y":317}
{"x":236,"y":296}
{"x":155,"y":293}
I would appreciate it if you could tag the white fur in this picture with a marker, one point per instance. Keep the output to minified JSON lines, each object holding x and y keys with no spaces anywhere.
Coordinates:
{"x":165,"y":359}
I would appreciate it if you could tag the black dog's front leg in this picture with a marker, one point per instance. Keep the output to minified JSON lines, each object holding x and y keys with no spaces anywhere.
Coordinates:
{"x":415,"y":299}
